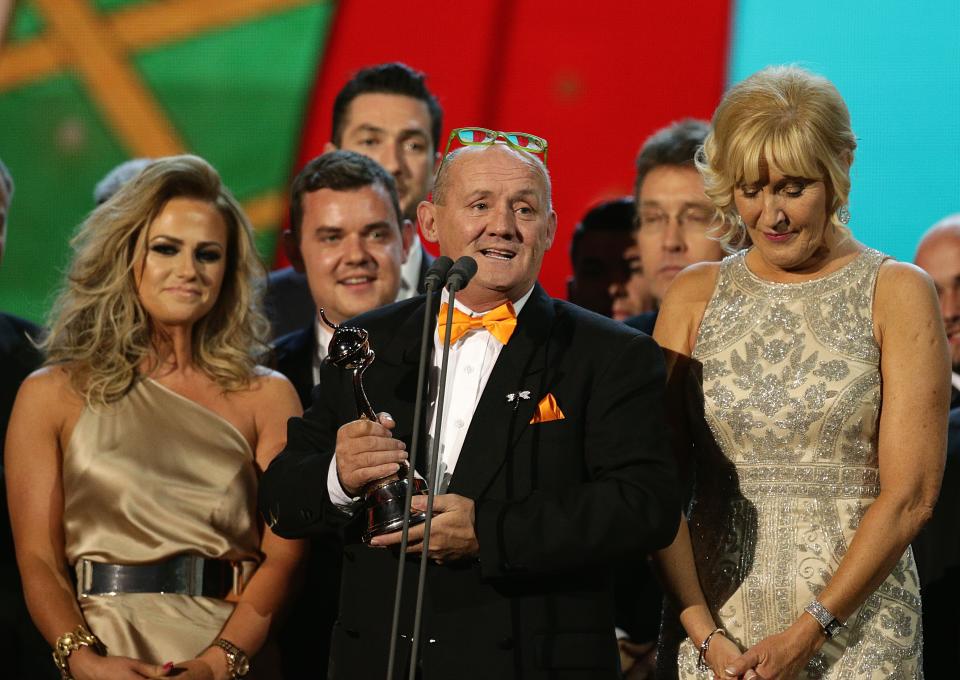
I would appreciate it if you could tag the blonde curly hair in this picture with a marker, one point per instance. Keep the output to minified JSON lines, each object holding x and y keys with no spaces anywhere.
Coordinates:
{"x":99,"y":330}
{"x":783,"y":115}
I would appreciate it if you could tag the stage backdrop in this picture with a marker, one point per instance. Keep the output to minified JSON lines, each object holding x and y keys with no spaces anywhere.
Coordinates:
{"x":249,"y":84}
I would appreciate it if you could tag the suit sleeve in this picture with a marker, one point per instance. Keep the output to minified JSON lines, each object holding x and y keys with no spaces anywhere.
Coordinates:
{"x":293,"y":495}
{"x":628,"y":501}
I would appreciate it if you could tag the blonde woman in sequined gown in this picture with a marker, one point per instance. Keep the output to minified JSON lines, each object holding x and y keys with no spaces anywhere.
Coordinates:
{"x":135,"y":452}
{"x":825,"y":385}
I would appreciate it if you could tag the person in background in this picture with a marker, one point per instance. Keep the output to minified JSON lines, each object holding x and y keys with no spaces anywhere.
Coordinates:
{"x":26,"y":655}
{"x":632,"y":297}
{"x":674,"y":215}
{"x":818,"y":438}
{"x":938,"y":254}
{"x":133,"y":456}
{"x":117,"y":177}
{"x":598,"y":256}
{"x":347,"y":235}
{"x":937,"y":546}
{"x":385,"y":112}
{"x":349,"y":239}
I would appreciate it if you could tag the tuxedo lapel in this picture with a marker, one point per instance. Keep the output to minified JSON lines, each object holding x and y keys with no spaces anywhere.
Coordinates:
{"x":400,"y":357}
{"x":498,"y":422}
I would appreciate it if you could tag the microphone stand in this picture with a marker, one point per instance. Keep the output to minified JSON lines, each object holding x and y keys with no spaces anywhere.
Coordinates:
{"x":435,"y":277}
{"x":459,"y":277}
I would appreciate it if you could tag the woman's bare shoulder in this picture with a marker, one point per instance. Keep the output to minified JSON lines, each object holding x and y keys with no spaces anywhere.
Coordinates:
{"x":269,"y":388}
{"x":694,"y":284}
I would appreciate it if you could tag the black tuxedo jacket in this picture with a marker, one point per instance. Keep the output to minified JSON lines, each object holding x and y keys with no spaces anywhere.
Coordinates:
{"x":293,"y":356}
{"x":557,"y":503}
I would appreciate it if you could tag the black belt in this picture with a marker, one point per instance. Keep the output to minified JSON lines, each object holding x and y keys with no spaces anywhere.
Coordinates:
{"x":181,"y":574}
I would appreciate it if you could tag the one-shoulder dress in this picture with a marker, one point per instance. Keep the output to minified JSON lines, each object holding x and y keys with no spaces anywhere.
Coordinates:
{"x":147,"y":478}
{"x":792,"y":397}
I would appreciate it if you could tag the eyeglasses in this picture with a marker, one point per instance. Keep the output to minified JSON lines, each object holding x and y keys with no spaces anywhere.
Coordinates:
{"x":477,"y":136}
{"x":696,"y":217}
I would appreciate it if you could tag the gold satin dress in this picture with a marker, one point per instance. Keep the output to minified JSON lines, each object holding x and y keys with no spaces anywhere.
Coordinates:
{"x":149,"y":477}
{"x":792,"y":396}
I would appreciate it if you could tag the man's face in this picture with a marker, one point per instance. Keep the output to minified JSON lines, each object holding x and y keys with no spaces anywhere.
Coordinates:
{"x":939,"y":256}
{"x":675,"y":217}
{"x":496,"y":210}
{"x":351,"y":248}
{"x":395,"y":131}
{"x":600,"y":264}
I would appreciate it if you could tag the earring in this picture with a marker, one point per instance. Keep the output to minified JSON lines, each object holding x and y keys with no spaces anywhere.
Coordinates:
{"x":843,"y":215}
{"x":740,"y":222}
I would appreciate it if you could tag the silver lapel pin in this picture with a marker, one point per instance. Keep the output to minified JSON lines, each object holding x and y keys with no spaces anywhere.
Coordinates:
{"x":515,"y":397}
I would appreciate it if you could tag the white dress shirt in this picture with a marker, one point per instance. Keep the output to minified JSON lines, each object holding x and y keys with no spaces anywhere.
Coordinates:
{"x":410,"y":271}
{"x":471,"y":361}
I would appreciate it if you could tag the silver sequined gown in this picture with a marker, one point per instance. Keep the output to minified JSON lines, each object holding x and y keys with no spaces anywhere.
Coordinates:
{"x":791,"y":386}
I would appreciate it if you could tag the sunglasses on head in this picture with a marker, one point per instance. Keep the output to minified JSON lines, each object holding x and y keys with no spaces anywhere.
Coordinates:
{"x":478,"y":136}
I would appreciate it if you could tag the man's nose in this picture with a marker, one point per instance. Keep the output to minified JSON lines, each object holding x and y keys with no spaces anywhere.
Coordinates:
{"x":504,"y":223}
{"x":391,"y":158}
{"x":950,"y":305}
{"x":673,"y":237}
{"x":355,"y":249}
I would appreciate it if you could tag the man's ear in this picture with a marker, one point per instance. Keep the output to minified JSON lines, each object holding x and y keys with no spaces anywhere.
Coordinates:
{"x":291,"y":246}
{"x":407,"y":231}
{"x":552,"y":229}
{"x":329,"y":146}
{"x":426,"y":215}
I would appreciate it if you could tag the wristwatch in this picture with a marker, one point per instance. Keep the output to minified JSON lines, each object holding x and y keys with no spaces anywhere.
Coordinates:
{"x":238,"y":664}
{"x":830,"y":623}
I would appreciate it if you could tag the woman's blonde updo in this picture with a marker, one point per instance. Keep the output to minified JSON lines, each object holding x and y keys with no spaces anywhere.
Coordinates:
{"x":100,"y":331}
{"x":791,"y":118}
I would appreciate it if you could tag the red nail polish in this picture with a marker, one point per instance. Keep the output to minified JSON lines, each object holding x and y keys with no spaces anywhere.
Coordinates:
{"x":167,"y":667}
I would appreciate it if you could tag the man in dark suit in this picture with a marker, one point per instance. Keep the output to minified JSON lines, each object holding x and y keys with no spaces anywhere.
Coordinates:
{"x":937,"y":546}
{"x":25,"y":653}
{"x":674,"y":216}
{"x":938,"y":254}
{"x":347,"y":236}
{"x":553,"y":455}
{"x":387,"y":113}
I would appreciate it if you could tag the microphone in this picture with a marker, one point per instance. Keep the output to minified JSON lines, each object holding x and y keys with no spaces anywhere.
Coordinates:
{"x":433,"y":281}
{"x":461,"y":273}
{"x":437,"y":273}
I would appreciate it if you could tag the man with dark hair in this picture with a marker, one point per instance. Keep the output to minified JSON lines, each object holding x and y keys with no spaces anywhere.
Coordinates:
{"x":23,"y":650}
{"x":348,"y":238}
{"x":598,"y":255}
{"x":553,"y":459}
{"x":674,"y":215}
{"x":387,"y":113}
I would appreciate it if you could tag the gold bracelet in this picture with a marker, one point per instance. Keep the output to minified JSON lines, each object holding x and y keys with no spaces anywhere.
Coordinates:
{"x":68,"y":643}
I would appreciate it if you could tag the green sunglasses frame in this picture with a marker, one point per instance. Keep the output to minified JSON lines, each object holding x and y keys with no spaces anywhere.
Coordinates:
{"x":491,"y":138}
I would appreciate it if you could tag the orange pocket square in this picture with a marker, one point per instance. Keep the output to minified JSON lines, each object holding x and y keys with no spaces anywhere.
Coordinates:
{"x":547,"y":410}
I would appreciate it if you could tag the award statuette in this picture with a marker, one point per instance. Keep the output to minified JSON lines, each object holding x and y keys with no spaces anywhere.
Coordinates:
{"x":383,"y":499}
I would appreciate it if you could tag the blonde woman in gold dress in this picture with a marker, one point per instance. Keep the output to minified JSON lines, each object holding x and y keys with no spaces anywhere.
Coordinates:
{"x":825,"y":382}
{"x":132,"y":458}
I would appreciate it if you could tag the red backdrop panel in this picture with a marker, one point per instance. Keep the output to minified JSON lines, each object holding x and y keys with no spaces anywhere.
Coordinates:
{"x":595,"y":79}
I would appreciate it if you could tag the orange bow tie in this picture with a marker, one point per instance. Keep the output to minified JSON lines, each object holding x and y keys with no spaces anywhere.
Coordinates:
{"x":499,"y":321}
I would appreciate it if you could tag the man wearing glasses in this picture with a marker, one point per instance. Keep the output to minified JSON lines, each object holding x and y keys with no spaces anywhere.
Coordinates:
{"x":553,"y":460}
{"x":386,"y":113}
{"x":674,"y":216}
